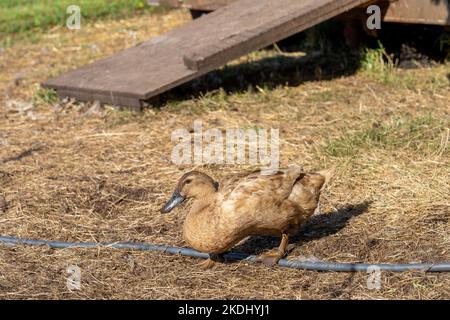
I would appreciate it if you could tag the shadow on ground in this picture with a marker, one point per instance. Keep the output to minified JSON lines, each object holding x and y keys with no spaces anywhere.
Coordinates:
{"x":328,"y":57}
{"x":266,"y":73}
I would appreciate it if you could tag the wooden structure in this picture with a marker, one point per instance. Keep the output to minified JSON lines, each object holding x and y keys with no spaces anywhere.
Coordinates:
{"x":134,"y":75}
{"x":237,"y":27}
{"x":433,"y":12}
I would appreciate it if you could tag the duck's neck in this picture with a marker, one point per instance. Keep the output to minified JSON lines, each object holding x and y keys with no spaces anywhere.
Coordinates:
{"x":203,"y":202}
{"x":201,"y":221}
{"x":202,"y":225}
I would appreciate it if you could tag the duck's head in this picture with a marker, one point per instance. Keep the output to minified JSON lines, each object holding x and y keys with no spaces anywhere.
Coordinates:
{"x":194,"y":185}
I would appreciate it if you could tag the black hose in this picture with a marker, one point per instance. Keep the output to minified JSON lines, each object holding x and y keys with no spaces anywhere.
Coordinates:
{"x":235,"y":256}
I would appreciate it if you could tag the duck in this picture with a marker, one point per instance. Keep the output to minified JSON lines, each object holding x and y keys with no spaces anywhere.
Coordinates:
{"x":250,"y":204}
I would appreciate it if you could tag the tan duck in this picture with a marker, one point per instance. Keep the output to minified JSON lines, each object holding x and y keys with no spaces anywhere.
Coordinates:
{"x":254,"y":204}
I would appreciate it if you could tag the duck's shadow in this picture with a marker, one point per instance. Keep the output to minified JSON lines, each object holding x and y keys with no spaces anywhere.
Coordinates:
{"x":318,"y":226}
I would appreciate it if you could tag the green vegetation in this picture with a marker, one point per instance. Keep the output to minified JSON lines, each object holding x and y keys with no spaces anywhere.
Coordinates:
{"x":45,"y":96}
{"x":421,"y":133}
{"x":21,"y":18}
{"x":378,"y":64}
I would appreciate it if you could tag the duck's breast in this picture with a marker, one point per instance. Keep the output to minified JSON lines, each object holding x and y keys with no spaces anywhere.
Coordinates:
{"x":208,"y":231}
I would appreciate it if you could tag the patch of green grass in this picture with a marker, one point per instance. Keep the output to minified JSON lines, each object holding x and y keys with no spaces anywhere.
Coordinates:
{"x":212,"y":100}
{"x":422,"y":133}
{"x":378,"y":64}
{"x":47,"y":96}
{"x":21,"y":18}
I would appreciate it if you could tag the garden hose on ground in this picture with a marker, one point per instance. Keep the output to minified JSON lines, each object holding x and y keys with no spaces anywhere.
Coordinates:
{"x":235,"y":256}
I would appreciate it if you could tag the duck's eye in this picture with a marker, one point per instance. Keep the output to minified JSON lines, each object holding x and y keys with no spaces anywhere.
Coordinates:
{"x":188,"y":181}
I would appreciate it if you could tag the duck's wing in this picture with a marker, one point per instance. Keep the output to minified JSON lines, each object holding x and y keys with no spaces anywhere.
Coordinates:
{"x":275,"y":187}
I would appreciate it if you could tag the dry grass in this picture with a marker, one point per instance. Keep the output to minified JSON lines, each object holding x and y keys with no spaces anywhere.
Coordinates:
{"x":79,"y":172}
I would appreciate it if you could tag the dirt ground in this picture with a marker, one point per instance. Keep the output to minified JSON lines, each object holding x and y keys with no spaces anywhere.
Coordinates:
{"x":81,"y":172}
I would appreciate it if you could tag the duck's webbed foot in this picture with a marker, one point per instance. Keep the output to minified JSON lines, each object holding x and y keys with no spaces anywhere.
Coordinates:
{"x":207,"y":264}
{"x":272,"y":257}
{"x":211,"y":262}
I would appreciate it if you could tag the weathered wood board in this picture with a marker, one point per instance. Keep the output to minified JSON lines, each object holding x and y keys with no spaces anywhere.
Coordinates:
{"x":205,"y":5}
{"x":136,"y":74}
{"x":434,"y":12}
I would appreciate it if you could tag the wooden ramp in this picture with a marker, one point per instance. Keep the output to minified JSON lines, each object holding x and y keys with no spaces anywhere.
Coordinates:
{"x":134,"y":75}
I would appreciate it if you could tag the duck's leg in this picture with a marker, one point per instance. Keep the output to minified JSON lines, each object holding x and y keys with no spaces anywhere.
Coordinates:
{"x":209,"y":263}
{"x":272,"y":257}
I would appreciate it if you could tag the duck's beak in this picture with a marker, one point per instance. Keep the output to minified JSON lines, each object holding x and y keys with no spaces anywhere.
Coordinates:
{"x":175,"y":200}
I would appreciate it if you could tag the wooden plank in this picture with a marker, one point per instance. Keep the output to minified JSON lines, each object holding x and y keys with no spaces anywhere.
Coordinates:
{"x":206,"y":5}
{"x":435,"y":12}
{"x":264,"y":24}
{"x":157,"y":65}
{"x":419,"y":11}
